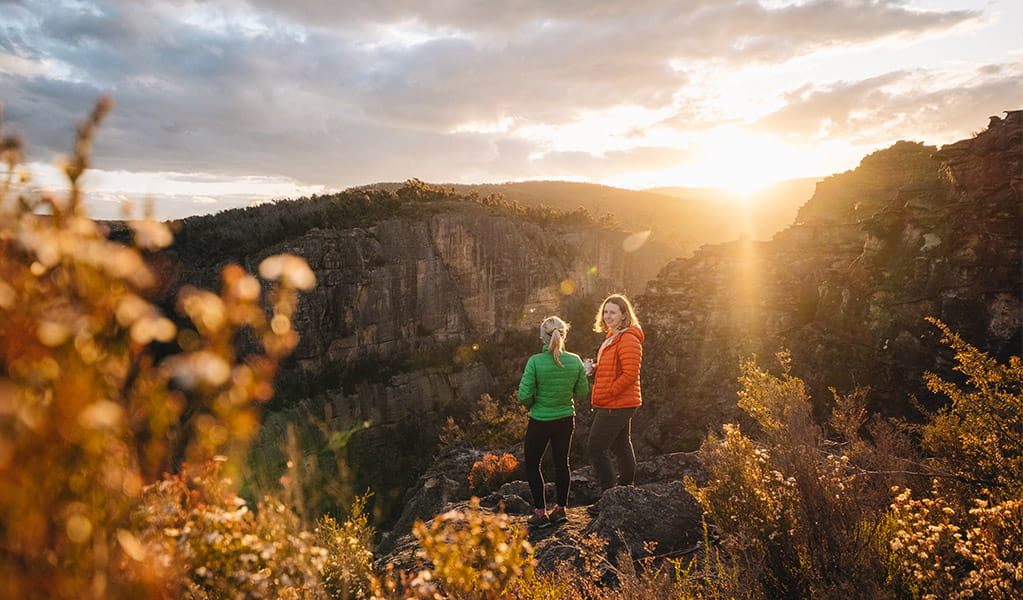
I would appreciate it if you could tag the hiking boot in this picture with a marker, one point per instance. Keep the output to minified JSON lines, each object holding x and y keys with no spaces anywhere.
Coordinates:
{"x":558,"y":515}
{"x":538,"y":521}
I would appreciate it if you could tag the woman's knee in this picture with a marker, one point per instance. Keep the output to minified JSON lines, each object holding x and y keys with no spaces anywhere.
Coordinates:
{"x":597,"y":446}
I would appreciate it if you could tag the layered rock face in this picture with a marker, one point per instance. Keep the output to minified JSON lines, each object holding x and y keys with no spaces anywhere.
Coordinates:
{"x":911,"y":233}
{"x":460,"y":273}
{"x":457,"y":275}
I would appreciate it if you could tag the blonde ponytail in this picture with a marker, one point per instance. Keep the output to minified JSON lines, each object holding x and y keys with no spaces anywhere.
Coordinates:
{"x":552,"y":332}
{"x":557,"y":345}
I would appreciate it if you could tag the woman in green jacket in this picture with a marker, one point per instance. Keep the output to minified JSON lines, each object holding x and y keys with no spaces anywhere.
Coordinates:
{"x":550,"y":381}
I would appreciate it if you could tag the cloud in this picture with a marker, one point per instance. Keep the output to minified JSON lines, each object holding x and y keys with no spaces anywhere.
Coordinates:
{"x":614,"y":164}
{"x":340,"y":93}
{"x":754,"y":33}
{"x":468,"y":16}
{"x":820,"y":111}
{"x":111,"y":206}
{"x":823,"y":19}
{"x":543,"y":62}
{"x":920,"y":104}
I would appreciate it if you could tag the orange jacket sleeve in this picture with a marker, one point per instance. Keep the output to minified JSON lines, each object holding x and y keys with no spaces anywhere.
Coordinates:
{"x":630,"y":358}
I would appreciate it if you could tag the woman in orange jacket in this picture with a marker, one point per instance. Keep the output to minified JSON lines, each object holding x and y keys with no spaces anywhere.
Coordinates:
{"x":616,"y":392}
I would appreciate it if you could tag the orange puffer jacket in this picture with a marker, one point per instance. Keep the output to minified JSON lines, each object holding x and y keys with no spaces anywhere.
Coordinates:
{"x":616,"y":378}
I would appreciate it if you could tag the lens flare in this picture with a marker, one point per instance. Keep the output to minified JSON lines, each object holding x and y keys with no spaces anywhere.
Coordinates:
{"x":635,"y":241}
{"x":465,"y":354}
{"x":567,"y":287}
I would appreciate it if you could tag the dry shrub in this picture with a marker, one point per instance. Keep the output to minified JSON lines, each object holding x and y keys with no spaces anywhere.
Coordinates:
{"x":451,"y":434}
{"x":965,"y":538}
{"x":217,"y":547}
{"x":880,"y":448}
{"x":591,"y":576}
{"x":979,"y":435}
{"x":220,"y":548}
{"x":491,"y":472}
{"x":489,"y":424}
{"x":348,"y":572}
{"x":791,"y":517}
{"x":940,"y":550}
{"x":800,"y":516}
{"x":87,"y":409}
{"x":494,"y":424}
{"x":870,"y":441}
{"x":471,"y":554}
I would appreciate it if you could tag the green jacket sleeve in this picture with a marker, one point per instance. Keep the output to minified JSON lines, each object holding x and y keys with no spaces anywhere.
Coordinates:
{"x":582,"y":384}
{"x":527,"y":385}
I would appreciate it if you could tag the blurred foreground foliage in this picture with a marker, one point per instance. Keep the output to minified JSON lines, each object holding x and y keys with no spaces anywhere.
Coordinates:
{"x":91,"y":418}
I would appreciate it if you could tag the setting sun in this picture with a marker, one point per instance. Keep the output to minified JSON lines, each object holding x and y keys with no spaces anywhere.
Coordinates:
{"x":744,"y":163}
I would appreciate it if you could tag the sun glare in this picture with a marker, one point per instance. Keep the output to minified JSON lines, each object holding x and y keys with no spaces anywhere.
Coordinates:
{"x":745,"y":187}
{"x":742,"y":164}
{"x":745,"y":163}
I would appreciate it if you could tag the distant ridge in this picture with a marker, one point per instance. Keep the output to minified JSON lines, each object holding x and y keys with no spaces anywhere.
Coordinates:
{"x":770,"y":193}
{"x":766,"y":211}
{"x":685,"y":218}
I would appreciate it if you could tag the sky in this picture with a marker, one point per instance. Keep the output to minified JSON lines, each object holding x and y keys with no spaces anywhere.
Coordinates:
{"x":223,"y":103}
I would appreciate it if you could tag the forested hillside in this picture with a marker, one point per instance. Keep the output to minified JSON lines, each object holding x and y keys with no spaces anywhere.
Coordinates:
{"x":684,"y":221}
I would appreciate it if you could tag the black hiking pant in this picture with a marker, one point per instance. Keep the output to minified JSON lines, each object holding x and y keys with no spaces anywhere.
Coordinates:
{"x":611,"y":433}
{"x":540,"y":434}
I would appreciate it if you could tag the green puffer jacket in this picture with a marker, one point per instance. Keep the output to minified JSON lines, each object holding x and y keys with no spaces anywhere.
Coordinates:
{"x":547,"y":389}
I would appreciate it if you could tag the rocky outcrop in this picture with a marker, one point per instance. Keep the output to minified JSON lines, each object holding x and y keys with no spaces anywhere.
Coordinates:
{"x":911,"y":233}
{"x":656,"y":515}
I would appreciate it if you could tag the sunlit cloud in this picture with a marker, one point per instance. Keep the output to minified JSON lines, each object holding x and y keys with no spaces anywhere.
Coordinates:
{"x":329,"y":95}
{"x":897,"y":103}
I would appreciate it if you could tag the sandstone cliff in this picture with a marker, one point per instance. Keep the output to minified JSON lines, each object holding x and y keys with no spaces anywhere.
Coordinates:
{"x":911,"y":233}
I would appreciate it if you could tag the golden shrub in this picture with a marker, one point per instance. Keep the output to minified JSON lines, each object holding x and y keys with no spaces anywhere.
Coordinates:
{"x":979,"y":435}
{"x":792,"y":517}
{"x":473,"y":554}
{"x":89,"y":413}
{"x":942,"y":550}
